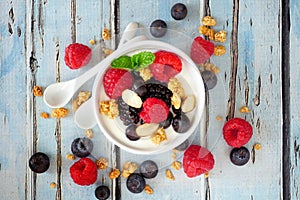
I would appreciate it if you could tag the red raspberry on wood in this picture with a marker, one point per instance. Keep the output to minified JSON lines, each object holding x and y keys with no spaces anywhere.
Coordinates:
{"x":197,"y":160}
{"x":84,"y":172}
{"x":237,"y":132}
{"x":201,"y":50}
{"x":77,"y":55}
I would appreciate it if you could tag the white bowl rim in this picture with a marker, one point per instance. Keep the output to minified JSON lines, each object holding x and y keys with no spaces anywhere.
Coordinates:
{"x":159,"y":45}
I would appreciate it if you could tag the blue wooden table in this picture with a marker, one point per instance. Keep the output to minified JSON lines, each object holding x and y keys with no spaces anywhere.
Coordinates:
{"x":260,"y":70}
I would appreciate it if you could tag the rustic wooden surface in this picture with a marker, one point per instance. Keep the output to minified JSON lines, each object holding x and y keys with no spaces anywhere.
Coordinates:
{"x":260,"y":70}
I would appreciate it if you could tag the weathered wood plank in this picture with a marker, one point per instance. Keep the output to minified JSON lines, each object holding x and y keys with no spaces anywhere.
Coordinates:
{"x":257,"y":85}
{"x":74,"y":21}
{"x":13,"y":104}
{"x":294,"y":74}
{"x":91,"y":19}
{"x":46,"y":47}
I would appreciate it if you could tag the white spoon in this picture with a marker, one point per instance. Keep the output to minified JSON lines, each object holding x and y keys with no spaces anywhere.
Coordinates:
{"x":59,"y":94}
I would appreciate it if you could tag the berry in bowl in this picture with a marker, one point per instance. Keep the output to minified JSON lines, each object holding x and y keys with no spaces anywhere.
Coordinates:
{"x":149,"y":98}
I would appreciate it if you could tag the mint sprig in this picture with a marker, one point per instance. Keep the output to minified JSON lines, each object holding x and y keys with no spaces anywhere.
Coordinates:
{"x":123,"y":62}
{"x":136,"y":62}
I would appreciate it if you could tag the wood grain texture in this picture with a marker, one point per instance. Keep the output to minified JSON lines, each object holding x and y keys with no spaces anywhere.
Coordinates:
{"x":13,"y":105}
{"x":294,"y":73}
{"x":257,"y":86}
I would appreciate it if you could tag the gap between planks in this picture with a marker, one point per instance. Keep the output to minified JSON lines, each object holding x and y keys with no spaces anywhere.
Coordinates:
{"x":286,"y":132}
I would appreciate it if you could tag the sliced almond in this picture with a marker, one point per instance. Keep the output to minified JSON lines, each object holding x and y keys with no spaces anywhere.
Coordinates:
{"x":176,"y":100}
{"x":188,"y":104}
{"x":131,"y":98}
{"x":145,"y":130}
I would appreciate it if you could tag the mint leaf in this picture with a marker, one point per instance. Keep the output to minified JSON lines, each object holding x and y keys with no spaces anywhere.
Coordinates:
{"x":123,"y":62}
{"x":142,"y":60}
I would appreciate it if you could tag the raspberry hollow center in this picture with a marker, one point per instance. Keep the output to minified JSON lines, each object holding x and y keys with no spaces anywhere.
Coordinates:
{"x":158,"y":113}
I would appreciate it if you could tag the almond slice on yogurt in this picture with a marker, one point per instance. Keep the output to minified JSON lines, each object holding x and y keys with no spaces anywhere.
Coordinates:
{"x":188,"y":103}
{"x":132,"y":99}
{"x":147,"y":129}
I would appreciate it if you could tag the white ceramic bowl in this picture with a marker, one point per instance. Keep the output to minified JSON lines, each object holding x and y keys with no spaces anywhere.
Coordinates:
{"x":191,"y":81}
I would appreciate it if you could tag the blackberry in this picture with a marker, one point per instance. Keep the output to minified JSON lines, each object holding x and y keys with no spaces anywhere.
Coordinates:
{"x":159,"y":91}
{"x":155,"y":81}
{"x":128,"y":115}
{"x":176,"y":111}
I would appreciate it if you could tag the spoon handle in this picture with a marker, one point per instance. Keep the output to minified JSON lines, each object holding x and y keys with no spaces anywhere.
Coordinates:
{"x":101,"y":66}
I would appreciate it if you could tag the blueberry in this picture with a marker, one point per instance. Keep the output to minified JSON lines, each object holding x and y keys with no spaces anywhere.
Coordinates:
{"x":39,"y":162}
{"x":239,"y":156}
{"x":148,"y":169}
{"x":165,"y":124}
{"x":135,"y":183}
{"x":102,"y":192}
{"x":82,"y":147}
{"x":158,"y":28}
{"x":130,"y":132}
{"x":179,"y":11}
{"x":210,"y":79}
{"x":142,"y":91}
{"x":137,"y":83}
{"x":181,"y":123}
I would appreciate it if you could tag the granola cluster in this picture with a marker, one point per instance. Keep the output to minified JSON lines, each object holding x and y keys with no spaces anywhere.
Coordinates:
{"x":129,"y":168}
{"x":175,"y":86}
{"x":209,"y":67}
{"x":159,"y":136}
{"x":115,"y":173}
{"x":109,"y":108}
{"x":101,"y":163}
{"x":219,"y":36}
{"x":82,"y":97}
{"x":145,"y":73}
{"x":37,"y":91}
{"x":106,"y":34}
{"x":59,"y":112}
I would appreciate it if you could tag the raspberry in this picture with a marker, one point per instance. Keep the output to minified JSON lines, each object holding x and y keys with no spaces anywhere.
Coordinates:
{"x":197,"y":160}
{"x":154,"y":111}
{"x":237,"y":132}
{"x":84,"y":172}
{"x":201,"y":50}
{"x":115,"y":81}
{"x":165,"y":66}
{"x":77,"y":55}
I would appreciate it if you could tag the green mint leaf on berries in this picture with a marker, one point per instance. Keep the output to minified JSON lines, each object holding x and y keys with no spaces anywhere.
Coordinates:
{"x":142,"y":60}
{"x":123,"y":62}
